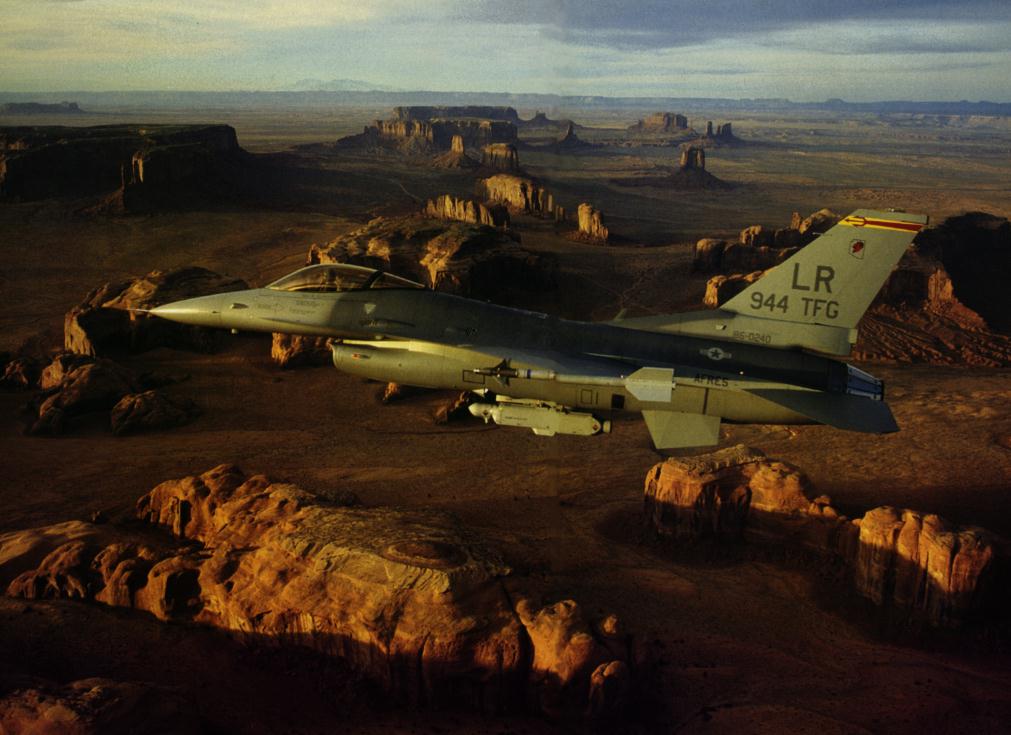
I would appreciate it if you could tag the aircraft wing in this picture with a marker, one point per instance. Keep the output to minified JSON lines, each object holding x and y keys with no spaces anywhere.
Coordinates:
{"x":668,"y":429}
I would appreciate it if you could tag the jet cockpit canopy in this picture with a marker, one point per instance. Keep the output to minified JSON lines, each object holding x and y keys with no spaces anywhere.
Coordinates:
{"x":334,"y":277}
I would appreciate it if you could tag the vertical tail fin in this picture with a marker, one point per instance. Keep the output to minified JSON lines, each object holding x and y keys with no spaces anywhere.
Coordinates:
{"x":833,"y":280}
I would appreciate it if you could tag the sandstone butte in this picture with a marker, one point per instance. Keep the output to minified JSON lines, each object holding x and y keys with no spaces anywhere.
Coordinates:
{"x":916,"y":564}
{"x":591,"y":223}
{"x":409,"y":598}
{"x":520,"y":194}
{"x":501,"y":156}
{"x":448,"y":207}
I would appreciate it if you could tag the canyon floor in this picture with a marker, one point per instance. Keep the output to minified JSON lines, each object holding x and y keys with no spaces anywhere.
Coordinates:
{"x":745,"y":642}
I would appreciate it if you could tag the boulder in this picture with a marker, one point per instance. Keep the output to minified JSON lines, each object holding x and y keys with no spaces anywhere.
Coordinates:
{"x":103,"y":323}
{"x":757,"y":236}
{"x":150,"y":411}
{"x":92,"y":387}
{"x":296,"y":350}
{"x":720,"y":289}
{"x":821,"y":221}
{"x":909,"y":562}
{"x":591,"y":223}
{"x":21,"y":373}
{"x":708,"y":255}
{"x":410,"y":599}
{"x":96,"y":706}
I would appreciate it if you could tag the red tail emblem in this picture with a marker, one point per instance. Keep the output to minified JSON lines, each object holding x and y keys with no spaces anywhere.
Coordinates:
{"x":857,"y":248}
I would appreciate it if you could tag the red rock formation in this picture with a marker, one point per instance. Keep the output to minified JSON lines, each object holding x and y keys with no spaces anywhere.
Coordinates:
{"x":91,"y":387}
{"x":408,"y":598}
{"x":660,"y":122}
{"x":591,"y":223}
{"x":501,"y":156}
{"x":462,"y":258}
{"x":436,"y":134}
{"x":722,"y":288}
{"x":519,"y":194}
{"x":906,"y":561}
{"x":150,"y":411}
{"x":456,"y":157}
{"x":708,"y":255}
{"x":693,"y":157}
{"x":295,"y":350}
{"x":102,"y":324}
{"x":448,"y":207}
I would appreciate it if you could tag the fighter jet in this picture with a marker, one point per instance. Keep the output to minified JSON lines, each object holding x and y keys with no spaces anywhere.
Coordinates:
{"x":767,"y":356}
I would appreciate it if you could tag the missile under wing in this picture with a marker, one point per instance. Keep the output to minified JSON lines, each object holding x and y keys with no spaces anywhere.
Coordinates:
{"x":764,"y":357}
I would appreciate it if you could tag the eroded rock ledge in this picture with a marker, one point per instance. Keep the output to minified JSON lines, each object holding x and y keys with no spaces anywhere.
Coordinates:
{"x":905,"y":560}
{"x":409,"y":598}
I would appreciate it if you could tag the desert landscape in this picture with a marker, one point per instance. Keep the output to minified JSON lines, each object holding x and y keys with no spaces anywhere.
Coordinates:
{"x":206,"y":532}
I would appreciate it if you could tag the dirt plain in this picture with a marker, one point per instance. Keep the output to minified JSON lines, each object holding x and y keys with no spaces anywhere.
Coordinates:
{"x":744,"y":643}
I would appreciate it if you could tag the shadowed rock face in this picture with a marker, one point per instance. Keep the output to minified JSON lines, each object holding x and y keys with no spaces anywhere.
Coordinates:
{"x":102,"y":324}
{"x":150,"y":164}
{"x":95,"y":706}
{"x":466,"y":259}
{"x":911,"y":562}
{"x":501,"y":156}
{"x":409,"y":598}
{"x":420,"y":112}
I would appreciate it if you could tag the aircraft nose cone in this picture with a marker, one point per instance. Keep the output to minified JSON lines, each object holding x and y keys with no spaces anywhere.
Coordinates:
{"x":203,"y":311}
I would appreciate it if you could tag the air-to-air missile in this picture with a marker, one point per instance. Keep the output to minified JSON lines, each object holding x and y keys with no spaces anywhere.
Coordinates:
{"x":768,"y":355}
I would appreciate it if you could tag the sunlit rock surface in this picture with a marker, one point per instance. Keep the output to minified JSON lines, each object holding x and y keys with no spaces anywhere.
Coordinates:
{"x":904,"y":560}
{"x":409,"y":598}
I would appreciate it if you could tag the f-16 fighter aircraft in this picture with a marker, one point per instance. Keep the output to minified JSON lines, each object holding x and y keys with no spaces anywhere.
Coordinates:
{"x":763,"y":357}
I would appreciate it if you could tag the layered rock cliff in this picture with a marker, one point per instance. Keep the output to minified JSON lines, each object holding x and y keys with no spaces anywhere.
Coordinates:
{"x":520,"y":194}
{"x":910,"y":562}
{"x":501,"y":156}
{"x":449,"y":207}
{"x":150,"y":165}
{"x":483,"y":112}
{"x":408,"y":598}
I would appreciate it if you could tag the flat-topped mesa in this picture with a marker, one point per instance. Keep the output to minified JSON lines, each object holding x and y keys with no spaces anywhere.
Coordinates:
{"x":694,"y":158}
{"x":483,"y":112}
{"x":660,"y":122}
{"x":56,"y":161}
{"x":448,"y":207}
{"x":520,"y":195}
{"x":500,"y":156}
{"x":41,"y":108}
{"x":591,"y":223}
{"x":439,"y":133}
{"x":913,"y":563}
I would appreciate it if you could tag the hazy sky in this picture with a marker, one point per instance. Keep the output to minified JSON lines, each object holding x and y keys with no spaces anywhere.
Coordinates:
{"x":800,"y":49}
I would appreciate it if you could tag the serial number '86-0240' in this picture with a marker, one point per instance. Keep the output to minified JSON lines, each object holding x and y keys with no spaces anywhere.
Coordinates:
{"x":811,"y":306}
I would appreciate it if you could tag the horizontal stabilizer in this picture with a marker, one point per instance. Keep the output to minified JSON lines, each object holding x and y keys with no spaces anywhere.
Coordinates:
{"x":674,"y":429}
{"x":843,"y":411}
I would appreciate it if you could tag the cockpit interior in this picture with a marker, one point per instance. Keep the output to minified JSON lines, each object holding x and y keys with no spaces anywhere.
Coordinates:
{"x":335,"y":277}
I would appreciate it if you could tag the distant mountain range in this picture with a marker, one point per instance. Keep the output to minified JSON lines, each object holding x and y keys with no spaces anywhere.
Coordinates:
{"x":340,"y":85}
{"x":319,"y":93}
